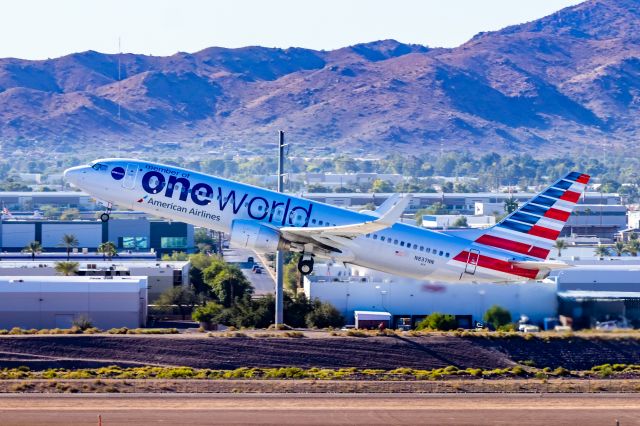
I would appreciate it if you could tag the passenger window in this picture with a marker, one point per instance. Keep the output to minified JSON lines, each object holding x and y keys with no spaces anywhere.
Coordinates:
{"x":313,"y":221}
{"x":401,"y":243}
{"x":435,"y":251}
{"x":368,"y":235}
{"x":320,"y":222}
{"x":440,"y":254}
{"x":415,"y":246}
{"x":375,"y":236}
{"x":428,"y":250}
{"x":395,"y":242}
{"x":381,"y":238}
{"x":421,"y":248}
{"x":446,"y":255}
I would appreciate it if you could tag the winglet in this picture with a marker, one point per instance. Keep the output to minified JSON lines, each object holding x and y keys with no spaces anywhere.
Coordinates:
{"x":394,"y":212}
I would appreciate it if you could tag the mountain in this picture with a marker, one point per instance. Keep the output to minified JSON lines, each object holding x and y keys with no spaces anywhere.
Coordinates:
{"x":570,"y":80}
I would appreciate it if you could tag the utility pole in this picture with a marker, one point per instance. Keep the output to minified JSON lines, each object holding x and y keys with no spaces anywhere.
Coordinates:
{"x":280,"y":253}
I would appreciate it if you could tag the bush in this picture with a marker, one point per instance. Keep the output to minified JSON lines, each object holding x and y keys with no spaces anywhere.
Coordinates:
{"x":294,"y":334}
{"x":497,"y":317}
{"x":82,"y":322}
{"x":438,"y":321}
{"x":323,"y":315}
{"x":208,"y":313}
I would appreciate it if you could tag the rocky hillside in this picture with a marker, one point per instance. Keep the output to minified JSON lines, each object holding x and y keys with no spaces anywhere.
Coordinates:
{"x":571,"y":79}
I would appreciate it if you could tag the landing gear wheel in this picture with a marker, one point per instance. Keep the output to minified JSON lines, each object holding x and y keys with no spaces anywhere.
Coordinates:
{"x":104,"y":217}
{"x":305,"y":266}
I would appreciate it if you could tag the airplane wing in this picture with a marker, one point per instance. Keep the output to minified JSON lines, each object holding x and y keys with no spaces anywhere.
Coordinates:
{"x":342,"y":234}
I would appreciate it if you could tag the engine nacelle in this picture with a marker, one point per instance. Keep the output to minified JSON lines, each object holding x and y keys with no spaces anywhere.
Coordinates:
{"x":256,"y":236}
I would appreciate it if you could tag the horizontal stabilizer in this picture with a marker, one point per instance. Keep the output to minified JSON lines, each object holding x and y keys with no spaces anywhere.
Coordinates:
{"x":532,"y":264}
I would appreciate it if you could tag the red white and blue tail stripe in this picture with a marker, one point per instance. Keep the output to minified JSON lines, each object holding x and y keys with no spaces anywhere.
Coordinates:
{"x":533,"y":229}
{"x":530,"y":232}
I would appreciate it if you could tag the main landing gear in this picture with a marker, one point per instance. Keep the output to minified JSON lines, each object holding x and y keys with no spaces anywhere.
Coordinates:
{"x":305,"y":264}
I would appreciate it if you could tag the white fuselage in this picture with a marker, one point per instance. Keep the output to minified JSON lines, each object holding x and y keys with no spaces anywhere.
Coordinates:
{"x":214,"y":203}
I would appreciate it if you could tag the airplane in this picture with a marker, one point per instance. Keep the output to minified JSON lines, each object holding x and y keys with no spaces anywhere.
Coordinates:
{"x":514,"y":250}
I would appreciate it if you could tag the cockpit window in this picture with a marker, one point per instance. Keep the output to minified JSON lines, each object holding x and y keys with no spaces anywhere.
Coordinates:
{"x":99,"y":166}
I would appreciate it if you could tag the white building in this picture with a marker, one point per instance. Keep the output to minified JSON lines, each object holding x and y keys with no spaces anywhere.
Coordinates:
{"x":408,"y":300}
{"x":448,"y":220}
{"x":55,"y":302}
{"x":160,"y":275}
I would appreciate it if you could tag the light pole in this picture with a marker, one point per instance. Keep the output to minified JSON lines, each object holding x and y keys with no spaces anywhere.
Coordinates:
{"x":280,"y":254}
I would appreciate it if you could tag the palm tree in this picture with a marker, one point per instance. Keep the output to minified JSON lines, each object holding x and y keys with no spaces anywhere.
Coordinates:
{"x":34,"y":248}
{"x":69,"y":241}
{"x":602,"y":251}
{"x":633,"y":246}
{"x":619,"y":248}
{"x":108,"y":250}
{"x":67,"y":268}
{"x":560,"y":245}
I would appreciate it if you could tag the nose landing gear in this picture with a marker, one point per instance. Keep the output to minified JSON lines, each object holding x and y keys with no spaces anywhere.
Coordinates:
{"x":104,"y":217}
{"x":305,"y":264}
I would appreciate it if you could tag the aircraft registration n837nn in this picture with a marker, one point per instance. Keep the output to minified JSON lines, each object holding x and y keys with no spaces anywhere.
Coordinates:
{"x":515,"y":249}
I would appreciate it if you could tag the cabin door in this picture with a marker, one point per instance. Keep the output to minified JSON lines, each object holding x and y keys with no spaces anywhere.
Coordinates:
{"x":472,"y":262}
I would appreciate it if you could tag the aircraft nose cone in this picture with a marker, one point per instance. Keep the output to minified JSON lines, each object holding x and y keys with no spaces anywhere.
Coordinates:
{"x":74,"y":175}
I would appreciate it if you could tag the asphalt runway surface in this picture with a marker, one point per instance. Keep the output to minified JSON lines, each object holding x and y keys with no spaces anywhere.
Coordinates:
{"x":337,"y":409}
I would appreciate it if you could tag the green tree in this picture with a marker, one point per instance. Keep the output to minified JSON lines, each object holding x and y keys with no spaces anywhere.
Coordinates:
{"x":602,"y":251}
{"x":461,"y":222}
{"x":510,"y":205}
{"x":182,"y":297}
{"x":380,"y":185}
{"x":437,"y":321}
{"x":33,"y":248}
{"x":67,"y":268}
{"x":209,"y":313}
{"x":560,"y":245}
{"x":69,"y":241}
{"x":632,"y":247}
{"x":497,"y":316}
{"x":230,"y":284}
{"x":70,"y":214}
{"x":323,"y":315}
{"x":175,"y":256}
{"x":108,"y":250}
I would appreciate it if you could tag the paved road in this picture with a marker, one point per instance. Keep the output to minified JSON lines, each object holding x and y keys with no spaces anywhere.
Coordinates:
{"x":289,"y":409}
{"x":262,"y":283}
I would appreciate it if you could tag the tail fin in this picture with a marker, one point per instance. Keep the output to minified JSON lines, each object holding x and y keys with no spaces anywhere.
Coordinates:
{"x":533,"y":229}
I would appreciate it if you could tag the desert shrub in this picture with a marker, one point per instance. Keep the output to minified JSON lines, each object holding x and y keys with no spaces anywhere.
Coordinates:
{"x":4,"y":332}
{"x":15,"y":331}
{"x":497,"y":316}
{"x":437,"y":321}
{"x":356,"y":333}
{"x":294,"y":334}
{"x":121,"y":330}
{"x":561,"y":371}
{"x":82,"y":322}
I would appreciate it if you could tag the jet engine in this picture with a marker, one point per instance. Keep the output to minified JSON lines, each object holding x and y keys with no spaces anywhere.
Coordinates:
{"x":256,"y":236}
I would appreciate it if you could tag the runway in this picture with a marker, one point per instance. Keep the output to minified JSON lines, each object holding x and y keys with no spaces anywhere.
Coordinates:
{"x":308,"y":409}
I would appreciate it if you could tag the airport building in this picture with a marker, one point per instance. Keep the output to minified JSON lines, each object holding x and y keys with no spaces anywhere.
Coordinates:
{"x":582,"y":296}
{"x":160,"y":275}
{"x":130,"y":235}
{"x":463,"y":203}
{"x":55,"y":302}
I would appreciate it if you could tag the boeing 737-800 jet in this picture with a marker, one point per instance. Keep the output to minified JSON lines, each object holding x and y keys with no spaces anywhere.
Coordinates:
{"x":515,"y":249}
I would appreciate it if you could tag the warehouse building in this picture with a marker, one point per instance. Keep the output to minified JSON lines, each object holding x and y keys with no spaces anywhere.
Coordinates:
{"x":55,"y":302}
{"x":585,"y":295}
{"x":161,"y":275}
{"x":135,"y":235}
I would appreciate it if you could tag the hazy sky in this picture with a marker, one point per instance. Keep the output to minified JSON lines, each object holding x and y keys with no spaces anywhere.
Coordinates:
{"x":37,"y":29}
